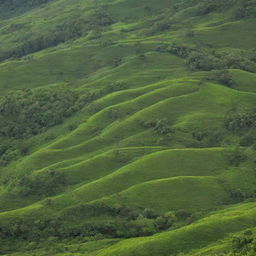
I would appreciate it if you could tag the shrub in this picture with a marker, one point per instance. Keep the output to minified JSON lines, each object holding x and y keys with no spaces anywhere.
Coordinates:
{"x":45,"y":184}
{"x":241,"y":122}
{"x":161,"y":127}
{"x":182,"y":214}
{"x":179,"y":49}
{"x":246,"y":9}
{"x":248,"y":140}
{"x":236,"y":157}
{"x":243,"y":245}
{"x":237,"y":195}
{"x":144,"y":226}
{"x":165,"y":221}
{"x":26,"y":112}
{"x":157,"y":27}
{"x":221,"y":76}
{"x":117,"y":86}
{"x":200,"y":135}
{"x":204,"y":60}
{"x":207,"y":6}
{"x":236,"y":61}
{"x":100,"y":18}
{"x":149,"y":213}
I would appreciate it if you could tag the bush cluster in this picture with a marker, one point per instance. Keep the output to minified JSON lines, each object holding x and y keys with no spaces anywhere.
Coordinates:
{"x":207,"y":59}
{"x":243,"y":245}
{"x":246,"y":8}
{"x":160,"y":127}
{"x":158,"y":26}
{"x":241,"y":122}
{"x":48,"y":183}
{"x":222,"y":77}
{"x":126,"y":223}
{"x":27,"y":112}
{"x":179,"y":49}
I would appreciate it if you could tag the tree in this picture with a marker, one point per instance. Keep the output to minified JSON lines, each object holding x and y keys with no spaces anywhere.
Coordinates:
{"x":221,"y":76}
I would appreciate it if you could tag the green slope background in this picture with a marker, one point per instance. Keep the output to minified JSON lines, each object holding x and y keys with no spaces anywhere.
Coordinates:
{"x":128,"y":128}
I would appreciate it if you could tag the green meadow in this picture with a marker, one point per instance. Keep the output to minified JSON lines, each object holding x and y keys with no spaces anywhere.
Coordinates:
{"x":128,"y":128}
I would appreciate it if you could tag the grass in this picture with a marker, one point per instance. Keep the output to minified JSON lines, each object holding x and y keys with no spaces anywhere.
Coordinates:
{"x":194,"y":236}
{"x":115,"y":156}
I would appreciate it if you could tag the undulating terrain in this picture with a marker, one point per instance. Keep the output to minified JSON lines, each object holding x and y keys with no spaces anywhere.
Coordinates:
{"x":127,"y":127}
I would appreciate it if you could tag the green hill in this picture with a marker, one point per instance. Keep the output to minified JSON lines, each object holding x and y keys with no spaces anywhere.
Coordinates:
{"x":127,"y":128}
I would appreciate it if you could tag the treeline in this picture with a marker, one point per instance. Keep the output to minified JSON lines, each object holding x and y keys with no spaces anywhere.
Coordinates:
{"x":25,"y":113}
{"x":207,"y":58}
{"x":122,"y":222}
{"x":243,"y":8}
{"x":10,"y":7}
{"x":69,"y":30}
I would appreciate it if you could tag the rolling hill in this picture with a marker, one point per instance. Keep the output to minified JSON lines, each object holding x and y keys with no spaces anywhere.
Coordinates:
{"x":127,"y":128}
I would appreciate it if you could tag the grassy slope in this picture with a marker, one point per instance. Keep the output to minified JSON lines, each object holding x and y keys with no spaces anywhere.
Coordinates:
{"x":111,"y":157}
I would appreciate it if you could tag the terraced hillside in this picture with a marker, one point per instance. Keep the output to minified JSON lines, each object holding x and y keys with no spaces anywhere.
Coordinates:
{"x":127,"y":128}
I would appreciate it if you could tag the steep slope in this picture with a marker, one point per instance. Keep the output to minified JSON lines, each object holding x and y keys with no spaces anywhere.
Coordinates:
{"x":127,"y":127}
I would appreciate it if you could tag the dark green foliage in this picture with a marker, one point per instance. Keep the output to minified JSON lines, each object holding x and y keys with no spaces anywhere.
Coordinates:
{"x":207,"y":59}
{"x":165,"y":221}
{"x":130,"y":223}
{"x":236,"y":157}
{"x":246,"y":8}
{"x":237,"y":196}
{"x":158,"y":26}
{"x":100,"y":18}
{"x":222,"y":77}
{"x":207,"y":138}
{"x":162,"y":128}
{"x":200,"y":135}
{"x":236,"y":61}
{"x":244,"y":244}
{"x":11,"y":149}
{"x":241,"y":122}
{"x":179,"y":49}
{"x":44,"y":184}
{"x":149,"y":213}
{"x":207,"y":6}
{"x":117,"y":86}
{"x":138,"y":227}
{"x":27,"y":112}
{"x":10,"y":7}
{"x":248,"y":140}
{"x":182,"y":214}
{"x":204,"y":60}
